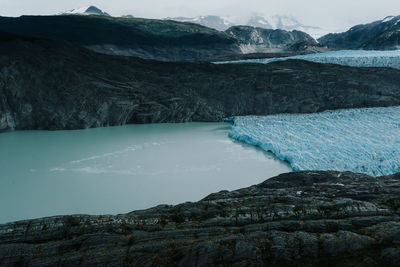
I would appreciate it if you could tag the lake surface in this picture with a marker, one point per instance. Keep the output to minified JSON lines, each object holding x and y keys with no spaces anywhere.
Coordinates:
{"x":120,"y":169}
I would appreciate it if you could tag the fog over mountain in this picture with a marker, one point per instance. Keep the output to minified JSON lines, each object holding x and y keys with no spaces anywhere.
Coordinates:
{"x":288,"y":23}
{"x":336,"y":15}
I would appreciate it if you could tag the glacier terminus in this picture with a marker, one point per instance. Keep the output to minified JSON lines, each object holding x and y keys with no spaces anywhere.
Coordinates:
{"x":363,"y":140}
{"x":353,"y":58}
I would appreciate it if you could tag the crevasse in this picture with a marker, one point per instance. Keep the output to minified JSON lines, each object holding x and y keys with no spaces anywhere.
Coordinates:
{"x":359,"y":140}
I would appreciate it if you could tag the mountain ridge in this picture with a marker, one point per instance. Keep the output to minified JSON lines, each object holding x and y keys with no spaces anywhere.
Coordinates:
{"x":255,"y":39}
{"x":86,"y":10}
{"x":164,"y":40}
{"x":281,"y":22}
{"x":378,"y":35}
{"x":222,"y":23}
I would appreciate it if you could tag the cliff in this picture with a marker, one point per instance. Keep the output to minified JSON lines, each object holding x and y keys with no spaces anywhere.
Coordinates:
{"x":53,"y":85}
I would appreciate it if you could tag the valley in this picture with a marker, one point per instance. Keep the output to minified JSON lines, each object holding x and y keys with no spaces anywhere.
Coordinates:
{"x":125,"y":134}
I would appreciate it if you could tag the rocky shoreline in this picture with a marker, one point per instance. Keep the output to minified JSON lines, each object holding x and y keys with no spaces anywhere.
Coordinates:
{"x":295,"y":219}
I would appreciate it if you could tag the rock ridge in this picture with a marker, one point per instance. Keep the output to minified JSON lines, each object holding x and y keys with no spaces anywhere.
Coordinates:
{"x":296,"y":219}
{"x":54,"y":85}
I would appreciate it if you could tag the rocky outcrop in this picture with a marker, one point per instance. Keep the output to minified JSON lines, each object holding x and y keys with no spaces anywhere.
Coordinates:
{"x":295,"y":219}
{"x":253,"y":40}
{"x":306,"y":47}
{"x":55,"y":85}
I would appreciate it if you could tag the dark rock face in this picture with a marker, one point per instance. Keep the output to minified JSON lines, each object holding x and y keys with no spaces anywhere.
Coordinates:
{"x":389,"y":40}
{"x":378,"y":35}
{"x":295,"y":219}
{"x":55,"y":85}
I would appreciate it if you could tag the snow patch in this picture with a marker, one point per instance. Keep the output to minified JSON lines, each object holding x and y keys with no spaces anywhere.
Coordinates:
{"x":262,"y":22}
{"x":80,"y":10}
{"x":389,"y":18}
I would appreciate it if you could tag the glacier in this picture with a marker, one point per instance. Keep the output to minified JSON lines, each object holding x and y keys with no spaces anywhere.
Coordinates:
{"x":353,"y":58}
{"x":363,"y":140}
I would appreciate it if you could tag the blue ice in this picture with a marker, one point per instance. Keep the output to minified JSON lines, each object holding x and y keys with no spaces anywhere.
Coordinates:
{"x":359,"y":140}
{"x":354,"y":58}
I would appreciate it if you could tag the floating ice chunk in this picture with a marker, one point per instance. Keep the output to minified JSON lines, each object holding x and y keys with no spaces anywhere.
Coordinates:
{"x":359,"y":140}
{"x":354,"y":58}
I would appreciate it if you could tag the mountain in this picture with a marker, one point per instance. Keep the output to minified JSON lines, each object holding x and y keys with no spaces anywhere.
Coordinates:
{"x":165,"y":40}
{"x":379,"y":35}
{"x":215,"y":22}
{"x":52,"y":84}
{"x":146,"y":38}
{"x":127,"y":16}
{"x":88,"y":10}
{"x":282,"y":22}
{"x":253,"y":40}
{"x":287,"y":23}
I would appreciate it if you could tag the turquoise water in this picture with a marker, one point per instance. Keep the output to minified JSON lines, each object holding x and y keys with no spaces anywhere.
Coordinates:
{"x":119,"y":169}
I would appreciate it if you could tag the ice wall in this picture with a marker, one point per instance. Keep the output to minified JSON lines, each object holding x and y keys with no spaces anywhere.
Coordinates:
{"x":358,"y":140}
{"x":354,"y":58}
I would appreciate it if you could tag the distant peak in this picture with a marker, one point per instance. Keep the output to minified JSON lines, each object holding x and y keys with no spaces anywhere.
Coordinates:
{"x":86,"y":10}
{"x":93,"y":9}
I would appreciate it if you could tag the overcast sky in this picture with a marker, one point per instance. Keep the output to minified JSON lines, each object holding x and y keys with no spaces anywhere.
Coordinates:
{"x":332,"y":14}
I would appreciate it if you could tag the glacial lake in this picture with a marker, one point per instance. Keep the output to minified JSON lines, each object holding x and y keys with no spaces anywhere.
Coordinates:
{"x":120,"y":169}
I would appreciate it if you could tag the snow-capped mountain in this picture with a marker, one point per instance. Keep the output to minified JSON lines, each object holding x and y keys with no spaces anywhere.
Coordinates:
{"x":287,"y":23}
{"x":88,"y":10}
{"x":215,"y":22}
{"x":259,"y":21}
{"x":223,"y":23}
{"x":258,"y":40}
